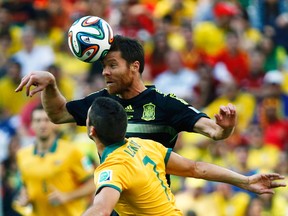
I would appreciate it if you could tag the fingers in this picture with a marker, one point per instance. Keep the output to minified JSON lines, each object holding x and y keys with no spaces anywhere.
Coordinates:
{"x":267,"y":191}
{"x":30,"y":80}
{"x":273,"y":177}
{"x":229,"y":110}
{"x":24,"y":81}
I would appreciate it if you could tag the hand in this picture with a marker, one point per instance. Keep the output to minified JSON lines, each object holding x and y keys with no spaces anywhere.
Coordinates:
{"x":39,"y":79}
{"x":264,"y":183}
{"x":226,"y":118}
{"x":22,"y":198}
{"x":57,"y":197}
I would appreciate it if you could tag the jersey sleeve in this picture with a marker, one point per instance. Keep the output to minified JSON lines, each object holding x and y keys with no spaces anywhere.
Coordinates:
{"x":166,"y":152}
{"x":182,"y":116}
{"x":81,"y":165}
{"x":79,"y":108}
{"x":111,"y":175}
{"x":155,"y":148}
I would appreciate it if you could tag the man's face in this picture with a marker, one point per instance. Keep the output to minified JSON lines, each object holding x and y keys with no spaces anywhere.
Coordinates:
{"x":42,"y":126}
{"x":117,"y":73}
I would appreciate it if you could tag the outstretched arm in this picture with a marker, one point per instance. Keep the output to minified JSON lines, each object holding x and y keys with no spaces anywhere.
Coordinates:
{"x":222,"y":127}
{"x":53,"y":101}
{"x":104,"y":202}
{"x":258,"y":183}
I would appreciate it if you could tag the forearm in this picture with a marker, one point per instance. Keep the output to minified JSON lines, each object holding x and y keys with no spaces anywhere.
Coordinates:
{"x":96,"y":211}
{"x":222,"y":133}
{"x":216,"y":173}
{"x":209,"y":128}
{"x":54,"y":104}
{"x":87,"y":189}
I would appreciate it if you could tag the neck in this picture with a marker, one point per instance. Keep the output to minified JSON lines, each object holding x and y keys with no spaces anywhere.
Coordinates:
{"x":133,"y":91}
{"x":44,"y":145}
{"x":99,"y":145}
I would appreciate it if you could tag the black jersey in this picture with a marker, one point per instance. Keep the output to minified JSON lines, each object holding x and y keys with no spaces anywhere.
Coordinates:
{"x":151,"y":114}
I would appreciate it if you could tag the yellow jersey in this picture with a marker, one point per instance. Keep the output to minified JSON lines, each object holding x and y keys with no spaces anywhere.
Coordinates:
{"x":136,"y":168}
{"x":64,"y":167}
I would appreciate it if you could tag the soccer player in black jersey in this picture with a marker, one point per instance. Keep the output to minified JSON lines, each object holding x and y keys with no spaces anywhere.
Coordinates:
{"x":151,"y":114}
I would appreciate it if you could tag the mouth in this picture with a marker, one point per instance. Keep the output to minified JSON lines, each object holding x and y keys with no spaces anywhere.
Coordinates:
{"x":109,"y":83}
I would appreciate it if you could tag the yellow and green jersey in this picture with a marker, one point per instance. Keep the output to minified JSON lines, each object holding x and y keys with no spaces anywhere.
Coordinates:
{"x":64,"y":167}
{"x":136,"y":168}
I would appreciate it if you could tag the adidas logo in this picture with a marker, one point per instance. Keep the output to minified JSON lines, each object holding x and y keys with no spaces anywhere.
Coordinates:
{"x":129,"y":108}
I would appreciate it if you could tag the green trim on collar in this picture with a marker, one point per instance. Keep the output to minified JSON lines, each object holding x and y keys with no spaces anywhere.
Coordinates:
{"x":52,"y":149}
{"x":109,"y":149}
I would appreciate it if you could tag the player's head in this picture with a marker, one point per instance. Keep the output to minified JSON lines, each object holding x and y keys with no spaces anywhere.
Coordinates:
{"x":43,"y":128}
{"x":123,"y":65}
{"x":107,"y":120}
{"x":131,"y":50}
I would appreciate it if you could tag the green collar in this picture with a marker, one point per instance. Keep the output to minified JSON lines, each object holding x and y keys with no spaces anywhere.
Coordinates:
{"x":109,"y":149}
{"x":51,"y":149}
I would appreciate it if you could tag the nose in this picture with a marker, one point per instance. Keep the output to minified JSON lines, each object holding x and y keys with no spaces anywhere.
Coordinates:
{"x":105,"y":71}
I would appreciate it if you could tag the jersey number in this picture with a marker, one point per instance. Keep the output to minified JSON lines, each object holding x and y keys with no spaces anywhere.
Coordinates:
{"x":147,"y":160}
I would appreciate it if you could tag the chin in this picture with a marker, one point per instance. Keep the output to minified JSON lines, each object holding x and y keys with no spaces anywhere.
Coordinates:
{"x":112,"y":91}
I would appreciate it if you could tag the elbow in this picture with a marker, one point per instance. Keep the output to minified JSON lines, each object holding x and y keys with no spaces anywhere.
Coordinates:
{"x":103,"y":212}
{"x":55,"y":119}
{"x":222,"y":134}
{"x":100,"y":211}
{"x":199,"y":172}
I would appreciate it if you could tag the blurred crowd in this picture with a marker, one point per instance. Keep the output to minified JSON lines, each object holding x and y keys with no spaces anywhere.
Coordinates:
{"x":208,"y":52}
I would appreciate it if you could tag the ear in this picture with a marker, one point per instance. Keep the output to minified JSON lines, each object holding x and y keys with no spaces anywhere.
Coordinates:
{"x":135,"y":66}
{"x":92,"y":131}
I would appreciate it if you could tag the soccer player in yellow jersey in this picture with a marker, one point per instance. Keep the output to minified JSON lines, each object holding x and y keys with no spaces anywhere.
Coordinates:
{"x":131,"y":176}
{"x":57,"y":177}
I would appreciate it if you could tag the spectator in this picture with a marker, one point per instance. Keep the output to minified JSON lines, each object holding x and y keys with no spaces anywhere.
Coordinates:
{"x":33,"y":57}
{"x":229,"y":203}
{"x":10,"y":177}
{"x":274,"y":54}
{"x":206,"y":89}
{"x":254,"y":81}
{"x":274,"y":127}
{"x":229,"y":92}
{"x":262,"y":157}
{"x":273,"y":88}
{"x":7,"y":94}
{"x":241,"y":154}
{"x":234,"y":55}
{"x":194,"y":198}
{"x":191,"y":56}
{"x":156,"y":58}
{"x":45,"y":33}
{"x":177,"y":79}
{"x":209,"y":36}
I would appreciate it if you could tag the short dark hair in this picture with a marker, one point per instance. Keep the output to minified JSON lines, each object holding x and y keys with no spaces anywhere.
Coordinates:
{"x":109,"y":119}
{"x":131,"y":50}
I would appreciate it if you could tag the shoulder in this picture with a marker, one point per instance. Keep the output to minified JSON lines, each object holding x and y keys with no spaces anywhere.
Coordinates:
{"x":25,"y":152}
{"x":67,"y":147}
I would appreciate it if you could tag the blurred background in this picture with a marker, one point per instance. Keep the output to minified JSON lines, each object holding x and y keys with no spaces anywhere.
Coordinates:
{"x":209,"y":52}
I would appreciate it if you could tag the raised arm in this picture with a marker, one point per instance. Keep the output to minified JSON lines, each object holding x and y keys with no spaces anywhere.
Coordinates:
{"x":53,"y":101}
{"x":222,"y":127}
{"x":258,"y":183}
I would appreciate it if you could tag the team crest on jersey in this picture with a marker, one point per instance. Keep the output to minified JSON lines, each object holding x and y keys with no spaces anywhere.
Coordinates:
{"x":105,"y":176}
{"x":148,"y":112}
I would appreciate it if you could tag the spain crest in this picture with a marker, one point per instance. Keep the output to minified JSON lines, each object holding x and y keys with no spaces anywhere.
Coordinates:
{"x":148,"y":112}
